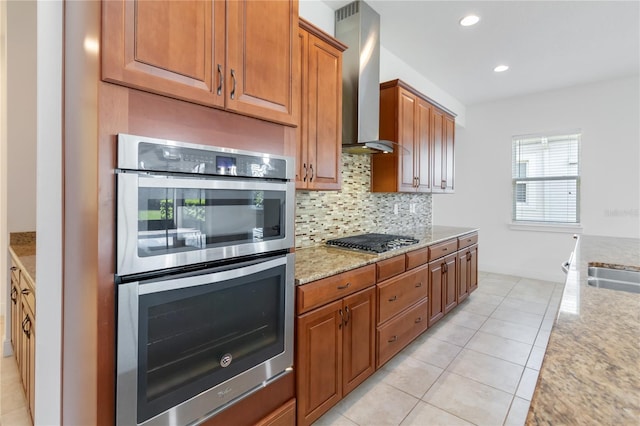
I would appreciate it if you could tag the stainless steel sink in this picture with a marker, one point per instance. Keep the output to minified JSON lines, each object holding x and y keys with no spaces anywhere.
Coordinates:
{"x":614,"y":279}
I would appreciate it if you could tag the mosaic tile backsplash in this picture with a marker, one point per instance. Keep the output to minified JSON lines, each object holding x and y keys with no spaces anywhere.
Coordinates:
{"x":323,"y":215}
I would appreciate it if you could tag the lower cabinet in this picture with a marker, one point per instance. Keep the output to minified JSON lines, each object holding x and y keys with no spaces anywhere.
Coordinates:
{"x":467,"y":271}
{"x":335,"y":347}
{"x":397,"y":333}
{"x":23,"y":330}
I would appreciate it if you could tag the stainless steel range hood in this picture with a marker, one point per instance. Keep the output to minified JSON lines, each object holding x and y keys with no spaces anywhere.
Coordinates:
{"x":358,"y":26}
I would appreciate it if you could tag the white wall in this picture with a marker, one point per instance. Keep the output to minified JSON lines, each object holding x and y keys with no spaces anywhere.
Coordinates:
{"x":391,"y":67}
{"x":4,"y":233}
{"x":608,"y":115}
{"x":21,"y":115}
{"x":48,"y":352}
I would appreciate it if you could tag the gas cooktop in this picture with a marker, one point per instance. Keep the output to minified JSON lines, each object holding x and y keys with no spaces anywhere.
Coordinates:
{"x":373,"y":243}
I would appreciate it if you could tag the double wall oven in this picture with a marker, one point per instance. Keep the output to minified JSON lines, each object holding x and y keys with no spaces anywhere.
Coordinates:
{"x":204,"y":278}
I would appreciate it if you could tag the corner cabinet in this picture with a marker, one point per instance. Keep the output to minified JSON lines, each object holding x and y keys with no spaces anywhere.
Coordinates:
{"x":424,"y":131}
{"x":319,"y":134}
{"x":335,"y":342}
{"x":236,"y":55}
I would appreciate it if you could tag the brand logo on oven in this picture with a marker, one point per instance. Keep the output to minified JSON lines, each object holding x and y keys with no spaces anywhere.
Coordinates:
{"x":225,"y":361}
{"x":224,"y":392}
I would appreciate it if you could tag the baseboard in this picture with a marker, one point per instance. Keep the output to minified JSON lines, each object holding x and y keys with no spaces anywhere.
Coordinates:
{"x":536,"y":274}
{"x":7,"y":349}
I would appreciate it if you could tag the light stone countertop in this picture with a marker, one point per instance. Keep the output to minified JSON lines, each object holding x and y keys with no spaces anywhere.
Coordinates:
{"x":591,"y":370}
{"x":314,"y":263}
{"x":22,"y":246}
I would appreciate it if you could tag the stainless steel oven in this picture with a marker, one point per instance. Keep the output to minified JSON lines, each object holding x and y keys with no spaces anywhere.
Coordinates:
{"x":205,"y":278}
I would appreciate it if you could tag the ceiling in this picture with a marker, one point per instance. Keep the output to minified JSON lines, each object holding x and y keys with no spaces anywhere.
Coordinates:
{"x":547,"y":44}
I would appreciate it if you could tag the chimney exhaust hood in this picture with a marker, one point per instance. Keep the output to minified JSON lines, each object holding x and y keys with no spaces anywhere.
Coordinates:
{"x":358,"y":26}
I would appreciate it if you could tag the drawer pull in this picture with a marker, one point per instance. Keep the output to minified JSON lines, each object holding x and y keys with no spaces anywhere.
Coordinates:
{"x":393,"y":339}
{"x":25,"y":291}
{"x":343,"y":287}
{"x":14,"y":268}
{"x":469,"y":240}
{"x":445,"y":248}
{"x":419,"y":284}
{"x":393,"y":299}
{"x":419,"y":319}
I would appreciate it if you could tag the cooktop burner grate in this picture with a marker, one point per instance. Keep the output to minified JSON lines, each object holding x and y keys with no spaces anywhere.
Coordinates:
{"x":374,"y":243}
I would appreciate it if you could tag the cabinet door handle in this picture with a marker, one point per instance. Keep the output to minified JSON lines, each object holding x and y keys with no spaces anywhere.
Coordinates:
{"x":393,"y":339}
{"x":25,"y":291}
{"x":348,"y":313}
{"x":14,"y":295}
{"x":419,"y":319}
{"x":220,"y":80}
{"x":444,"y":268}
{"x":469,"y":256}
{"x":312,"y":173}
{"x":418,"y":285}
{"x":341,"y":319}
{"x":343,"y":287}
{"x":14,"y":268}
{"x":233,"y":88}
{"x":306,"y":172}
{"x":393,"y":299}
{"x":26,"y":326}
{"x":443,"y":184}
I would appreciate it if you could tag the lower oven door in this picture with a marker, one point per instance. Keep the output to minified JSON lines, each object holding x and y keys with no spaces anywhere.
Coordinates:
{"x":190,"y":345}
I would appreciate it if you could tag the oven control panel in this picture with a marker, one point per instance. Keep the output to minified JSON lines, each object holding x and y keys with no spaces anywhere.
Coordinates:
{"x":158,"y":155}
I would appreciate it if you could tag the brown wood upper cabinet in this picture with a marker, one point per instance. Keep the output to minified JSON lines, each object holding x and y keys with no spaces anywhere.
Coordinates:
{"x":236,"y":55}
{"x":319,"y":135}
{"x":424,"y":160}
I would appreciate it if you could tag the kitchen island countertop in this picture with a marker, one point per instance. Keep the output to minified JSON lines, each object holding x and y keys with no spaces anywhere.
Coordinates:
{"x":314,"y":263}
{"x":591,"y":369}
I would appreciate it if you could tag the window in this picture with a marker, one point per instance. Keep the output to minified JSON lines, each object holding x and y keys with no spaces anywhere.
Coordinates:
{"x":546,"y":178}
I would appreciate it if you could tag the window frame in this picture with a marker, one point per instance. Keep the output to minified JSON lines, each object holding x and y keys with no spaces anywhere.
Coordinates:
{"x":518,"y":181}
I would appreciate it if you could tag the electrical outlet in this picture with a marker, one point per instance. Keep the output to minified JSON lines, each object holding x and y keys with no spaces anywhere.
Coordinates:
{"x":395,"y":208}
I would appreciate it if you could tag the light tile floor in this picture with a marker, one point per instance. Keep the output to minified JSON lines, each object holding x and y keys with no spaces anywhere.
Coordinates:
{"x":477,"y":366}
{"x":13,"y":403}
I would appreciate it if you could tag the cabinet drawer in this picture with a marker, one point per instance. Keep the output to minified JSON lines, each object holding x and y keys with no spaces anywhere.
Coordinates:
{"x":398,"y":293}
{"x":417,"y":257}
{"x":467,"y":240}
{"x":400,"y":331}
{"x":390,"y":267}
{"x":442,"y":249}
{"x":328,"y":289}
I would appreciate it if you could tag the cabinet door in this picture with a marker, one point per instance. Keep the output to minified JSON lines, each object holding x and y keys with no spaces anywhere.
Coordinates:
{"x":359,"y":338}
{"x":319,"y":361}
{"x":173,"y":48}
{"x":16,"y":313}
{"x":448,"y":162}
{"x":438,"y":151}
{"x":31,"y":366}
{"x":262,"y":59}
{"x":407,"y":140}
{"x":302,"y":134}
{"x":473,"y":268}
{"x":449,"y":290}
{"x":423,"y":143}
{"x":324,"y":114}
{"x":25,"y":343}
{"x":463,"y":275}
{"x":436,"y":280}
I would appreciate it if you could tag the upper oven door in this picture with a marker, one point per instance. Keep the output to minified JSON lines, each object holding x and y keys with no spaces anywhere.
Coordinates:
{"x":168,"y":221}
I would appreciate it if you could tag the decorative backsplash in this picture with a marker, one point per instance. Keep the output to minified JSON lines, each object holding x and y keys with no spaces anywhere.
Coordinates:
{"x":322,"y":215}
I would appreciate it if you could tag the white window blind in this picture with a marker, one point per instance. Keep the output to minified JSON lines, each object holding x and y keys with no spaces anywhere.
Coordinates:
{"x":546,"y":179}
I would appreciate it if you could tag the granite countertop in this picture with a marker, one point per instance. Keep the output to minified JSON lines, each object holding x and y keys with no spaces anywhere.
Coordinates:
{"x":591,"y":370}
{"x":22,"y":246}
{"x":314,"y":263}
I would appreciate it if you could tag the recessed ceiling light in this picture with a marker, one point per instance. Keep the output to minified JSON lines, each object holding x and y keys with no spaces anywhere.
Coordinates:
{"x":501,"y":68}
{"x":469,"y":20}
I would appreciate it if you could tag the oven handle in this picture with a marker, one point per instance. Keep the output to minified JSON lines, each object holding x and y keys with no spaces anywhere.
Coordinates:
{"x":202,"y":277}
{"x":155,"y":181}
